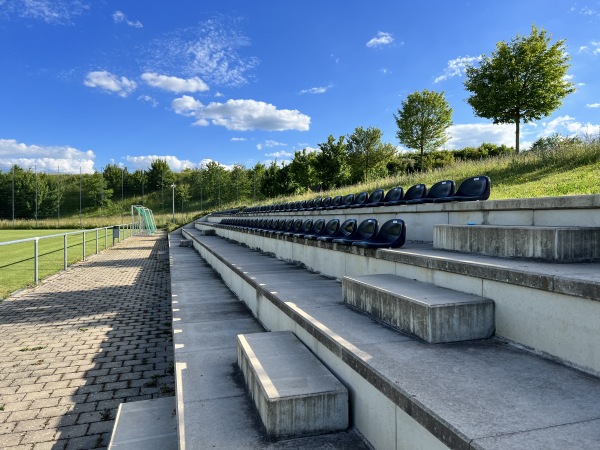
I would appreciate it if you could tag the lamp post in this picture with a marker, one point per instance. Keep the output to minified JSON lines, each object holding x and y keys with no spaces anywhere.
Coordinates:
{"x":173,"y":188}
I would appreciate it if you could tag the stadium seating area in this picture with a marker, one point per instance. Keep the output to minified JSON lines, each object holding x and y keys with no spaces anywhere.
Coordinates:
{"x":471,"y":189}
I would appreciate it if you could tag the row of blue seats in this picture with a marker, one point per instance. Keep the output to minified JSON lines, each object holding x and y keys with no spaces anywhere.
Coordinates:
{"x":367,"y":234}
{"x":474,"y":188}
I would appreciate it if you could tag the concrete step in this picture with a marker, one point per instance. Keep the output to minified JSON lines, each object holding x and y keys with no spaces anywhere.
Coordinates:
{"x":294,"y":393}
{"x":432,"y":313}
{"x":145,"y":425}
{"x":554,"y":244}
{"x":405,"y":393}
{"x":214,"y":409}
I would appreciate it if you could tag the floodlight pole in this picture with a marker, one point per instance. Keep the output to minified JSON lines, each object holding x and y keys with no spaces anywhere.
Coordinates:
{"x":173,"y":188}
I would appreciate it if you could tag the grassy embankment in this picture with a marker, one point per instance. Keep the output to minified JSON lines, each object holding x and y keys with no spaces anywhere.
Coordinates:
{"x":570,"y":169}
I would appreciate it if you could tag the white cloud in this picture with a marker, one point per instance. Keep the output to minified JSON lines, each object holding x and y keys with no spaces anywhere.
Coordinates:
{"x":569,"y":126}
{"x":55,"y":12}
{"x":593,"y":105}
{"x":238,"y":139}
{"x":456,"y":67}
{"x":149,"y":99}
{"x":280,"y":154}
{"x":174,"y":84}
{"x":186,"y":105}
{"x":259,"y":147}
{"x":205,"y":162}
{"x":242,"y":115}
{"x":143,"y":162}
{"x":45,"y":158}
{"x":381,"y":39}
{"x":316,"y":90}
{"x":270,"y":143}
{"x":120,"y":17}
{"x":593,"y":48}
{"x":474,"y":134}
{"x":209,"y":51}
{"x":109,"y":82}
{"x":278,"y":162}
{"x":385,"y":71}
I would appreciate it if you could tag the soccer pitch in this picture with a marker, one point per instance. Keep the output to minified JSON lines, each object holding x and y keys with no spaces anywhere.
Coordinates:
{"x":17,"y":260}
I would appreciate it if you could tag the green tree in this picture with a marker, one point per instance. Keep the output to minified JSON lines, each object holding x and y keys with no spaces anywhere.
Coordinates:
{"x":256,"y":175}
{"x":302,"y":171}
{"x":182,"y":195}
{"x":96,"y":191}
{"x":159,"y":176}
{"x":422,"y":122}
{"x":523,"y":80}
{"x":331,"y":166}
{"x":367,"y":155}
{"x":114,"y":177}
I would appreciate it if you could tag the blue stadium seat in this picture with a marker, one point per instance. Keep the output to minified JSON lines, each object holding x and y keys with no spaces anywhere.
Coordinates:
{"x":392,"y":234}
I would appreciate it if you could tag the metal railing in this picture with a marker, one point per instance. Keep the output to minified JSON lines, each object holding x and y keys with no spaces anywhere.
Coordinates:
{"x":119,"y":232}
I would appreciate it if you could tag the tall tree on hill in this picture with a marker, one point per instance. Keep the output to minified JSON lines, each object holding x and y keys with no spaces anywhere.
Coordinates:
{"x":332,"y":163}
{"x":423,"y":120}
{"x":367,"y":155}
{"x":524,"y":80}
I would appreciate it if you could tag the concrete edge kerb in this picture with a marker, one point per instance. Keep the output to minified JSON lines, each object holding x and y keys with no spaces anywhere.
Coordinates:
{"x":437,"y":426}
{"x":550,"y":283}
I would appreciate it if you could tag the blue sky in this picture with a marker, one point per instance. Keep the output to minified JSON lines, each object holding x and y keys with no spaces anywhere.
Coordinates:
{"x":86,"y":83}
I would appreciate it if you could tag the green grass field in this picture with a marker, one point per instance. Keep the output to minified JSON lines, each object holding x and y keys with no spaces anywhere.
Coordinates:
{"x":17,"y":260}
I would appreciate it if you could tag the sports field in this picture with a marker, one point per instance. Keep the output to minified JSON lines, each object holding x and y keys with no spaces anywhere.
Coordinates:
{"x":17,"y":260}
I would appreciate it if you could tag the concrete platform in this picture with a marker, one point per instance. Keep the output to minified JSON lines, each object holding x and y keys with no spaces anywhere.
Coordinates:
{"x":145,"y":425}
{"x":214,"y":409}
{"x":554,"y":244}
{"x":404,"y":393}
{"x":294,"y":393}
{"x":429,"y":312}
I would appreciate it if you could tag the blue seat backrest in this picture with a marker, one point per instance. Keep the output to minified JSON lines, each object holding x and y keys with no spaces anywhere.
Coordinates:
{"x":441,"y":189}
{"x":376,"y":196}
{"x":475,"y":187}
{"x":361,"y":198}
{"x":348,"y":227}
{"x":332,"y":227}
{"x":394,"y":194}
{"x":416,"y":191}
{"x":347,"y":200}
{"x":367,"y":229}
{"x":318,"y":226}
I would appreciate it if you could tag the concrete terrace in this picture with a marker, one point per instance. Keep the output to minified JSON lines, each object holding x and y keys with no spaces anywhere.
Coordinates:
{"x":82,"y":342}
{"x":213,"y":407}
{"x":534,"y":384}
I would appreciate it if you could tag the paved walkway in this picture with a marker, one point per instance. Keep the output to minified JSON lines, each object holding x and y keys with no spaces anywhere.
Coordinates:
{"x":85,"y":340}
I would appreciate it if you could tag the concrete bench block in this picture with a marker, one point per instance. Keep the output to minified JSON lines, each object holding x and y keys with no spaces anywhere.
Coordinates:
{"x":185,"y":243}
{"x":432,"y":313}
{"x":294,"y":393}
{"x":554,"y":244}
{"x":145,"y":425}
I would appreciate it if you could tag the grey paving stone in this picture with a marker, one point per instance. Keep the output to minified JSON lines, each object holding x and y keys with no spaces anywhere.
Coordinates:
{"x":90,"y":321}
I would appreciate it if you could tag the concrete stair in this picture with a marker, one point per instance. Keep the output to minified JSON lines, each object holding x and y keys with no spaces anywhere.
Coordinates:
{"x":543,"y":243}
{"x":405,"y":393}
{"x":432,"y":313}
{"x":295,"y":395}
{"x":146,"y":425}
